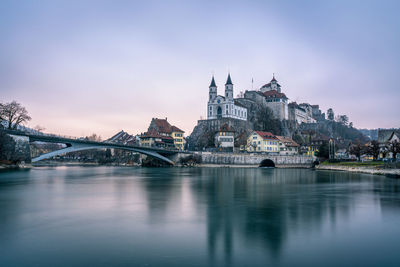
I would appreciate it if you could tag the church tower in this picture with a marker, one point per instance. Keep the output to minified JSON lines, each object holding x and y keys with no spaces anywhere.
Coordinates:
{"x":213,"y":89}
{"x":229,"y":88}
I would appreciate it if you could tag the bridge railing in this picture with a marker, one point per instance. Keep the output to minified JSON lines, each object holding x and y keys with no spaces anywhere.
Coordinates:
{"x":81,"y":139}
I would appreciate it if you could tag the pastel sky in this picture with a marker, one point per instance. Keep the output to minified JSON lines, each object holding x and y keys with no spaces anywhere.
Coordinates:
{"x":83,"y":67}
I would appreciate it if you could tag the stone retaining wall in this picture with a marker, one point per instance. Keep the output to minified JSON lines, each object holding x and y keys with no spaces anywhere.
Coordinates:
{"x":254,"y":159}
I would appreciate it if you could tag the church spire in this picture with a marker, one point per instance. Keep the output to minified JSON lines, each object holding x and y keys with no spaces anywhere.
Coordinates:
{"x":213,"y":82}
{"x":229,"y":80}
{"x":273,"y":77}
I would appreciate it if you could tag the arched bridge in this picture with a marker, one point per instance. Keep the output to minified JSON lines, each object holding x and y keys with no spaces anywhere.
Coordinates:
{"x":74,"y":145}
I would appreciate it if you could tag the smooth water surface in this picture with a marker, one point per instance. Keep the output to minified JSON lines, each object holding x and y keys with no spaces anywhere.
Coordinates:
{"x":116,"y":216}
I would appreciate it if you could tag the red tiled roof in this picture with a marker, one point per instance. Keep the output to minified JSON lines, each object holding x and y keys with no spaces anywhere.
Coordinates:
{"x":266,"y":135}
{"x":163,"y":126}
{"x":176,"y":129}
{"x":274,"y":94}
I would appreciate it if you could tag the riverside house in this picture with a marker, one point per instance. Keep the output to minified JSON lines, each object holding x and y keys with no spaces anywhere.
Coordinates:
{"x":259,"y":141}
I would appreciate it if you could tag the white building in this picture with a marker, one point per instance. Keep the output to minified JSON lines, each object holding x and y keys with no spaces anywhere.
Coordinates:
{"x":224,"y":106}
{"x":275,"y":99}
{"x":225,"y":138}
{"x":300,"y":114}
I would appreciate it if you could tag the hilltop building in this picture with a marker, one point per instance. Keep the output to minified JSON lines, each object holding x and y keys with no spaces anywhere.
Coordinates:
{"x":224,"y":138}
{"x":224,"y":106}
{"x":301,"y":113}
{"x":270,"y":95}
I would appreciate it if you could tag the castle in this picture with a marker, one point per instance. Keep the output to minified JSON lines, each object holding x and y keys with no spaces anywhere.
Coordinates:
{"x":269,"y":95}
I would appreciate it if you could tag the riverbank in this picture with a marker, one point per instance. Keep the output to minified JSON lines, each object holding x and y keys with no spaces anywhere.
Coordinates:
{"x":377,"y":170}
{"x":15,"y":166}
{"x":287,"y":166}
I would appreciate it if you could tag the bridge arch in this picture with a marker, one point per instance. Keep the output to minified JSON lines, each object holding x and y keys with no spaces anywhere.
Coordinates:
{"x":80,"y":147}
{"x":267,"y":163}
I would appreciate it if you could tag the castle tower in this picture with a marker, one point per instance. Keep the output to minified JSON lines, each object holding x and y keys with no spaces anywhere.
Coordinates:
{"x":213,"y":89}
{"x":274,"y":84}
{"x":229,"y":88}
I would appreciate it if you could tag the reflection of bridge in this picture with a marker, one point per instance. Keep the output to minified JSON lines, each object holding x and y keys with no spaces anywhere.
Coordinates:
{"x":74,"y":145}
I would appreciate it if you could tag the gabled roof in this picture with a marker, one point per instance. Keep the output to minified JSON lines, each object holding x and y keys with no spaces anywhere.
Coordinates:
{"x":385,"y":135}
{"x":163,"y":126}
{"x":274,"y":94}
{"x":287,"y":141}
{"x":266,"y":135}
{"x":176,"y":129}
{"x":229,"y":80}
{"x":122,"y":137}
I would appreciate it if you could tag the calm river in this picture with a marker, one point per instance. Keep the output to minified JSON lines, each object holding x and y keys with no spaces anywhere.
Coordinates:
{"x":117,"y":216}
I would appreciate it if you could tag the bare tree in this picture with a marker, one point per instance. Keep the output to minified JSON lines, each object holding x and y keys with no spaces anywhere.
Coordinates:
{"x":14,"y":114}
{"x":357,"y":150}
{"x":343,"y":119}
{"x":93,"y":137}
{"x":373,"y":149}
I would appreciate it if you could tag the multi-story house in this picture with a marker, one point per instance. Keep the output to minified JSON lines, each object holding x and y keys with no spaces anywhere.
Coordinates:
{"x":153,"y":139}
{"x":225,"y":139}
{"x":265,"y":142}
{"x":287,"y":146}
{"x":161,"y":128}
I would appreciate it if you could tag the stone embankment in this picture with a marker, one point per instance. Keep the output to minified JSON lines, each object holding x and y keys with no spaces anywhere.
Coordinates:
{"x":254,"y":159}
{"x":368,"y":170}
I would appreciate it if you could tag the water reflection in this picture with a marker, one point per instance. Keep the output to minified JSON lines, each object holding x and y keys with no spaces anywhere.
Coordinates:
{"x":198,"y":216}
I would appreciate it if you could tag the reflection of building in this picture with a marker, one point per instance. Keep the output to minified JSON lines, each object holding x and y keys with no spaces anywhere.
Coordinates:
{"x":224,"y":106}
{"x":262,"y":142}
{"x":161,"y":132}
{"x":224,"y":138}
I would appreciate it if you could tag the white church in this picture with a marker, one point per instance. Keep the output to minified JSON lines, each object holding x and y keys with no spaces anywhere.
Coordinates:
{"x":224,"y":106}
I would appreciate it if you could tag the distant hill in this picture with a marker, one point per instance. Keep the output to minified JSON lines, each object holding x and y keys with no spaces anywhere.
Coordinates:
{"x":372,"y":134}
